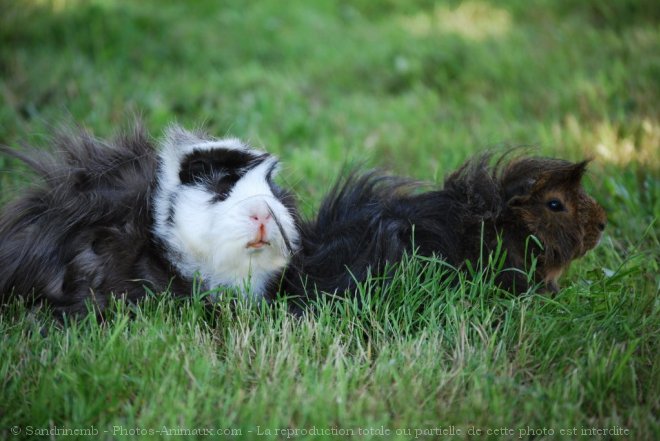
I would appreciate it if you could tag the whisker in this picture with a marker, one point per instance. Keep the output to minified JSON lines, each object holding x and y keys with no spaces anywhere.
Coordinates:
{"x":279,"y":227}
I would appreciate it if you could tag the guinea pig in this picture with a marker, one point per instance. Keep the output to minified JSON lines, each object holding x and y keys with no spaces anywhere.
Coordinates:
{"x":117,"y":218}
{"x":369,"y":220}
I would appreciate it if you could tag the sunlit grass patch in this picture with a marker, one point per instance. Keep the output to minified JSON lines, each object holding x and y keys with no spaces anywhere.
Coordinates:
{"x":471,"y":19}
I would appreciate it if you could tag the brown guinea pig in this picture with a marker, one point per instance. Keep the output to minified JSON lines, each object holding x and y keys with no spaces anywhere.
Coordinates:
{"x":368,"y":220}
{"x":545,"y":198}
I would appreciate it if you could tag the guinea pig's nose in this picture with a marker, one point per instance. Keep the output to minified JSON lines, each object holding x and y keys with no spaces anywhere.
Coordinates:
{"x":260,"y":216}
{"x":601,"y":226}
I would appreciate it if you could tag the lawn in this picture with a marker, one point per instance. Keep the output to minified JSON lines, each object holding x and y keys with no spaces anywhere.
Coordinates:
{"x":411,"y":87}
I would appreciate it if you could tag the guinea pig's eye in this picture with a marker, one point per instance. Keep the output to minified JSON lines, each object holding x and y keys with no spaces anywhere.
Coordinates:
{"x":555,"y":205}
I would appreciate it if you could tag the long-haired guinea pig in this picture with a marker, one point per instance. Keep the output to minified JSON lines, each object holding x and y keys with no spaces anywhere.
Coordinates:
{"x":370,"y":219}
{"x":114,"y":218}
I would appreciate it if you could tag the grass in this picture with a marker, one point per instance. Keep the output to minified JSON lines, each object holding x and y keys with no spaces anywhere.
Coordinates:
{"x":414,"y":87}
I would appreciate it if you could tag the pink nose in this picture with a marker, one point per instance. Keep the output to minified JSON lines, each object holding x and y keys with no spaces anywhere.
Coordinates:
{"x":261,"y":218}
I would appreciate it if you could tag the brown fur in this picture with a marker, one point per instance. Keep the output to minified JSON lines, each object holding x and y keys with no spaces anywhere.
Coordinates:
{"x":529,"y":184}
{"x":369,"y":220}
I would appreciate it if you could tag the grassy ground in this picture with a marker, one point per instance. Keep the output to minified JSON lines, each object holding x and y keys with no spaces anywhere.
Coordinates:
{"x":414,"y":87}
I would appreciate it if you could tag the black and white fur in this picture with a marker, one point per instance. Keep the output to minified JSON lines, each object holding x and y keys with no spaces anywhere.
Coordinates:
{"x":114,"y":218}
{"x":219,"y":213}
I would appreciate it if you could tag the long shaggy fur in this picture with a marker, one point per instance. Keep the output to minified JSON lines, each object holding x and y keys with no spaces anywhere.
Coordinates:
{"x":114,"y":218}
{"x":370,"y":220}
{"x":84,"y":232}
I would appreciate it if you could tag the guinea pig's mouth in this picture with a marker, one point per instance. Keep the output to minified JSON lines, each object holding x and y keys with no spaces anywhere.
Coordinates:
{"x":257,"y":244}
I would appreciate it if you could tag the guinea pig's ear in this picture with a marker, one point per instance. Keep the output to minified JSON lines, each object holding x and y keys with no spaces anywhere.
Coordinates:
{"x":577,"y":171}
{"x":568,"y":176}
{"x":572,"y":175}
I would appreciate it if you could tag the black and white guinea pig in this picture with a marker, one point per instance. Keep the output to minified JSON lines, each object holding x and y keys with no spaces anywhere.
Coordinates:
{"x":114,"y":218}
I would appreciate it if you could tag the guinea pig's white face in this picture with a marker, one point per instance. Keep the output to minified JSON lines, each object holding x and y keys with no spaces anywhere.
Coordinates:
{"x":220,"y":214}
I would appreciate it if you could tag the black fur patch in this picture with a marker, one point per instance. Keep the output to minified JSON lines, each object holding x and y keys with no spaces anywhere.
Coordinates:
{"x":218,"y":170}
